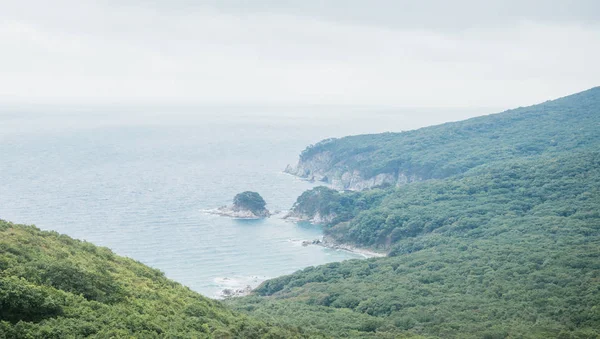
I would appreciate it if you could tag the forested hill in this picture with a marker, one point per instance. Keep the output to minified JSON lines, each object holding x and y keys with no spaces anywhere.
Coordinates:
{"x":52,"y":286}
{"x":394,"y":219}
{"x":364,"y":161}
{"x":502,"y":240}
{"x":510,"y":250}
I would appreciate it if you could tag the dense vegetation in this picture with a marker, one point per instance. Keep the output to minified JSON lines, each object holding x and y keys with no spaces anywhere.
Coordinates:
{"x":380,"y":218}
{"x":445,"y":150}
{"x":334,"y":205}
{"x":501,"y":241}
{"x":506,"y":251}
{"x":52,"y":286}
{"x":507,"y":246}
{"x":250,"y":201}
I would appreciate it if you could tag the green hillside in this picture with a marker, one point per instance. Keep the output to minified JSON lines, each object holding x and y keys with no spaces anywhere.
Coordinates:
{"x":52,"y":286}
{"x":500,"y":240}
{"x":445,"y":150}
{"x":509,"y":251}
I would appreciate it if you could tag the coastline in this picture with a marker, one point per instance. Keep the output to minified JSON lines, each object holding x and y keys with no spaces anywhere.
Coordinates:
{"x":324,"y":241}
{"x":226,"y":211}
{"x":329,"y":243}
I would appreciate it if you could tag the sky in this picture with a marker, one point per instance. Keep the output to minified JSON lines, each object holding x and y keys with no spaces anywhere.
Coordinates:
{"x":460,"y":53}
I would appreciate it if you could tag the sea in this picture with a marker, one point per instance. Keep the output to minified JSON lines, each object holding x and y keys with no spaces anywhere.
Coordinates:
{"x":139,"y":179}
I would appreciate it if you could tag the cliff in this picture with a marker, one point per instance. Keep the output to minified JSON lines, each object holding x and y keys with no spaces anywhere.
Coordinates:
{"x":319,"y":169}
{"x":438,"y":152}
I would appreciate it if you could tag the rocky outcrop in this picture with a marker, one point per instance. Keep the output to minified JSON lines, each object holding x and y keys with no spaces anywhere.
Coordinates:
{"x":321,"y":168}
{"x":239,"y":292}
{"x":233,"y":212}
{"x":354,"y":181}
{"x":317,"y":218}
{"x":315,"y":168}
{"x":331,"y":243}
{"x":246,"y":205}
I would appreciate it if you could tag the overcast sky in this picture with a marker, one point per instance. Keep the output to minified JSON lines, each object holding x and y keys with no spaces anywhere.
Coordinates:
{"x":388,"y":53}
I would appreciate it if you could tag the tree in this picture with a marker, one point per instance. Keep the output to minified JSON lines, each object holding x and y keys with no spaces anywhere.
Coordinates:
{"x":251,"y":201}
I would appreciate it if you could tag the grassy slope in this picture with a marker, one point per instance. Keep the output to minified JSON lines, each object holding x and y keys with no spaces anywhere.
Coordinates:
{"x":52,"y":286}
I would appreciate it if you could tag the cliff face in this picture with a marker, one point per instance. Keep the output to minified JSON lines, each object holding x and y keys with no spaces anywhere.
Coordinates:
{"x":320,"y":167}
{"x":437,"y":152}
{"x":315,"y":168}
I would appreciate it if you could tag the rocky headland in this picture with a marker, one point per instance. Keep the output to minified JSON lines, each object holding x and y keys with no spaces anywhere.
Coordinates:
{"x":321,"y":167}
{"x":314,"y":206}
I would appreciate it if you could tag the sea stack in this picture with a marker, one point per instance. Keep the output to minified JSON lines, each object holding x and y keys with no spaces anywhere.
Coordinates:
{"x":246,"y":205}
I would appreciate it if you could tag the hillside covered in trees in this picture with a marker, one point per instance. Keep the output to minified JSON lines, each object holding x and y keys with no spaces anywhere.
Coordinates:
{"x":442,"y":151}
{"x":506,"y":251}
{"x":498,"y":238}
{"x":52,"y":286}
{"x":507,"y":246}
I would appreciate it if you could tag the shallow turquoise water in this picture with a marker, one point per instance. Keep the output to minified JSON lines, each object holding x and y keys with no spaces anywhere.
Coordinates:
{"x":137,"y":183}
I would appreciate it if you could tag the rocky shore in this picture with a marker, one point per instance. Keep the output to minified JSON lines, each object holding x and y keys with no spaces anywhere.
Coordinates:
{"x":316,"y":219}
{"x":329,"y":243}
{"x":321,"y":167}
{"x":235,"y":292}
{"x":238,"y":213}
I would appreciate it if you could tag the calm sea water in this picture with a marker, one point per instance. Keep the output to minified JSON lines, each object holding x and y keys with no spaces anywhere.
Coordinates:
{"x":137,"y":181}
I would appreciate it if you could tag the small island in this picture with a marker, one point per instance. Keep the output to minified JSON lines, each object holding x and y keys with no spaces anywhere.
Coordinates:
{"x":246,"y":205}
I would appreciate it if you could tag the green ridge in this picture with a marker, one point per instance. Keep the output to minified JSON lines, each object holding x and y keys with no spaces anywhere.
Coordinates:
{"x":445,"y":150}
{"x":52,"y":286}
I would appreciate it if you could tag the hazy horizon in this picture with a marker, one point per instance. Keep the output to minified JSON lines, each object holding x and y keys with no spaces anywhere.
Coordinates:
{"x":297,"y":53}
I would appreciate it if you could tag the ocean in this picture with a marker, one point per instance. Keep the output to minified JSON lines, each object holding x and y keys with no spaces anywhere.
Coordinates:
{"x":137,"y":181}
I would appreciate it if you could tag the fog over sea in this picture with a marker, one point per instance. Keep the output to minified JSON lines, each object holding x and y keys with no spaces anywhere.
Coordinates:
{"x":136,"y":180}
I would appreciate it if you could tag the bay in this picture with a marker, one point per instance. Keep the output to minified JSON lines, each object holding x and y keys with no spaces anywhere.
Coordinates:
{"x":137,"y":180}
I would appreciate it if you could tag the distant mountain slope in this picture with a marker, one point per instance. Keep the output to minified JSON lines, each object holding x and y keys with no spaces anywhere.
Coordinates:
{"x":506,"y":250}
{"x":364,"y":161}
{"x":52,"y":286}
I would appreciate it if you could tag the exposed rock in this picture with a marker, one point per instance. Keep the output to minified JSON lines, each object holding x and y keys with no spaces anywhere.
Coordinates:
{"x":320,"y":167}
{"x":406,"y":179}
{"x":312,"y":169}
{"x":240,"y":292}
{"x":330,"y":243}
{"x":232,"y":212}
{"x":314,"y":219}
{"x":354,"y":181}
